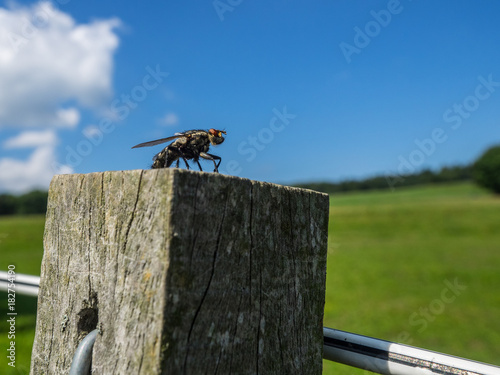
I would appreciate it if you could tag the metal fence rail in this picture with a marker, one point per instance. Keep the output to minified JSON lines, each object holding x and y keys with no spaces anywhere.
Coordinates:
{"x":367,"y":353}
{"x":385,"y":357}
{"x":23,"y":284}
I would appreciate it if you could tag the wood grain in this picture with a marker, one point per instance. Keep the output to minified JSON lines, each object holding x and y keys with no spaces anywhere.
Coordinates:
{"x":183,"y":273}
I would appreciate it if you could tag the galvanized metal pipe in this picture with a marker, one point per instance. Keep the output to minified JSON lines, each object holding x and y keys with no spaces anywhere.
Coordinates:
{"x":23,"y":284}
{"x":385,"y":357}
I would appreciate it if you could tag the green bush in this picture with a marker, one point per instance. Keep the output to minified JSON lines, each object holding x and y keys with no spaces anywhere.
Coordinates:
{"x":486,"y":170}
{"x":8,"y":204}
{"x":34,"y":202}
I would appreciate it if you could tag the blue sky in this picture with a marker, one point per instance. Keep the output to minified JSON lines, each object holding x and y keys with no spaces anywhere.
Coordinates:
{"x":307,"y":91}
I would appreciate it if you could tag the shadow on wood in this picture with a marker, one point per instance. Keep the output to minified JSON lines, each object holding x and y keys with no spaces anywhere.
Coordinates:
{"x":183,"y":273}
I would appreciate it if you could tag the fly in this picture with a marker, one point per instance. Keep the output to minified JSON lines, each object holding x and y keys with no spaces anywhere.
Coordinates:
{"x":189,"y":145}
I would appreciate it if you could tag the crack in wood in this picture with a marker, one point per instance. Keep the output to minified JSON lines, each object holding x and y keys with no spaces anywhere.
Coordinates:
{"x":132,"y":215}
{"x":207,"y":288}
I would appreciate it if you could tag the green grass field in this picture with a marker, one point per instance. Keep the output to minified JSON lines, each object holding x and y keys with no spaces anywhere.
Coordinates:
{"x":392,"y":257}
{"x":21,"y":246}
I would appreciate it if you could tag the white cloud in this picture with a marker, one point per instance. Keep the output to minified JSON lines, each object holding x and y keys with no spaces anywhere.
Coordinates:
{"x":170,"y":119}
{"x":51,"y":67}
{"x":91,"y":131}
{"x":36,"y":172}
{"x":32,"y":139}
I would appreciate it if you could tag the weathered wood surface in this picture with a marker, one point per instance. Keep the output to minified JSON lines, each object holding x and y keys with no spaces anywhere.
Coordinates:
{"x":183,"y":273}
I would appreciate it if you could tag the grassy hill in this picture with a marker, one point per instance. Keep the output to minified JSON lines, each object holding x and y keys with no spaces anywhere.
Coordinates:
{"x":392,"y":257}
{"x":418,"y":266}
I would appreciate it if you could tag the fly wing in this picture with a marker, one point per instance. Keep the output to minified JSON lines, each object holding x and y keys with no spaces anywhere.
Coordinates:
{"x":158,"y":141}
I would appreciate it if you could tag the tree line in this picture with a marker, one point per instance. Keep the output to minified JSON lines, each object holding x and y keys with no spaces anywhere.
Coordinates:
{"x":427,"y":176}
{"x":34,"y":202}
{"x":485,"y":172}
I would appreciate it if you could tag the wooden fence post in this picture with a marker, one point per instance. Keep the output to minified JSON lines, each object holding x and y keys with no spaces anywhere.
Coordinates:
{"x":183,"y":273}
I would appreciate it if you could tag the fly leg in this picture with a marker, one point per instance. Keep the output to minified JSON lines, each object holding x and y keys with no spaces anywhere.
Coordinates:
{"x":199,"y":165}
{"x":174,"y":154}
{"x":177,"y":162}
{"x":185,"y":161}
{"x":183,"y":158}
{"x":206,"y":155}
